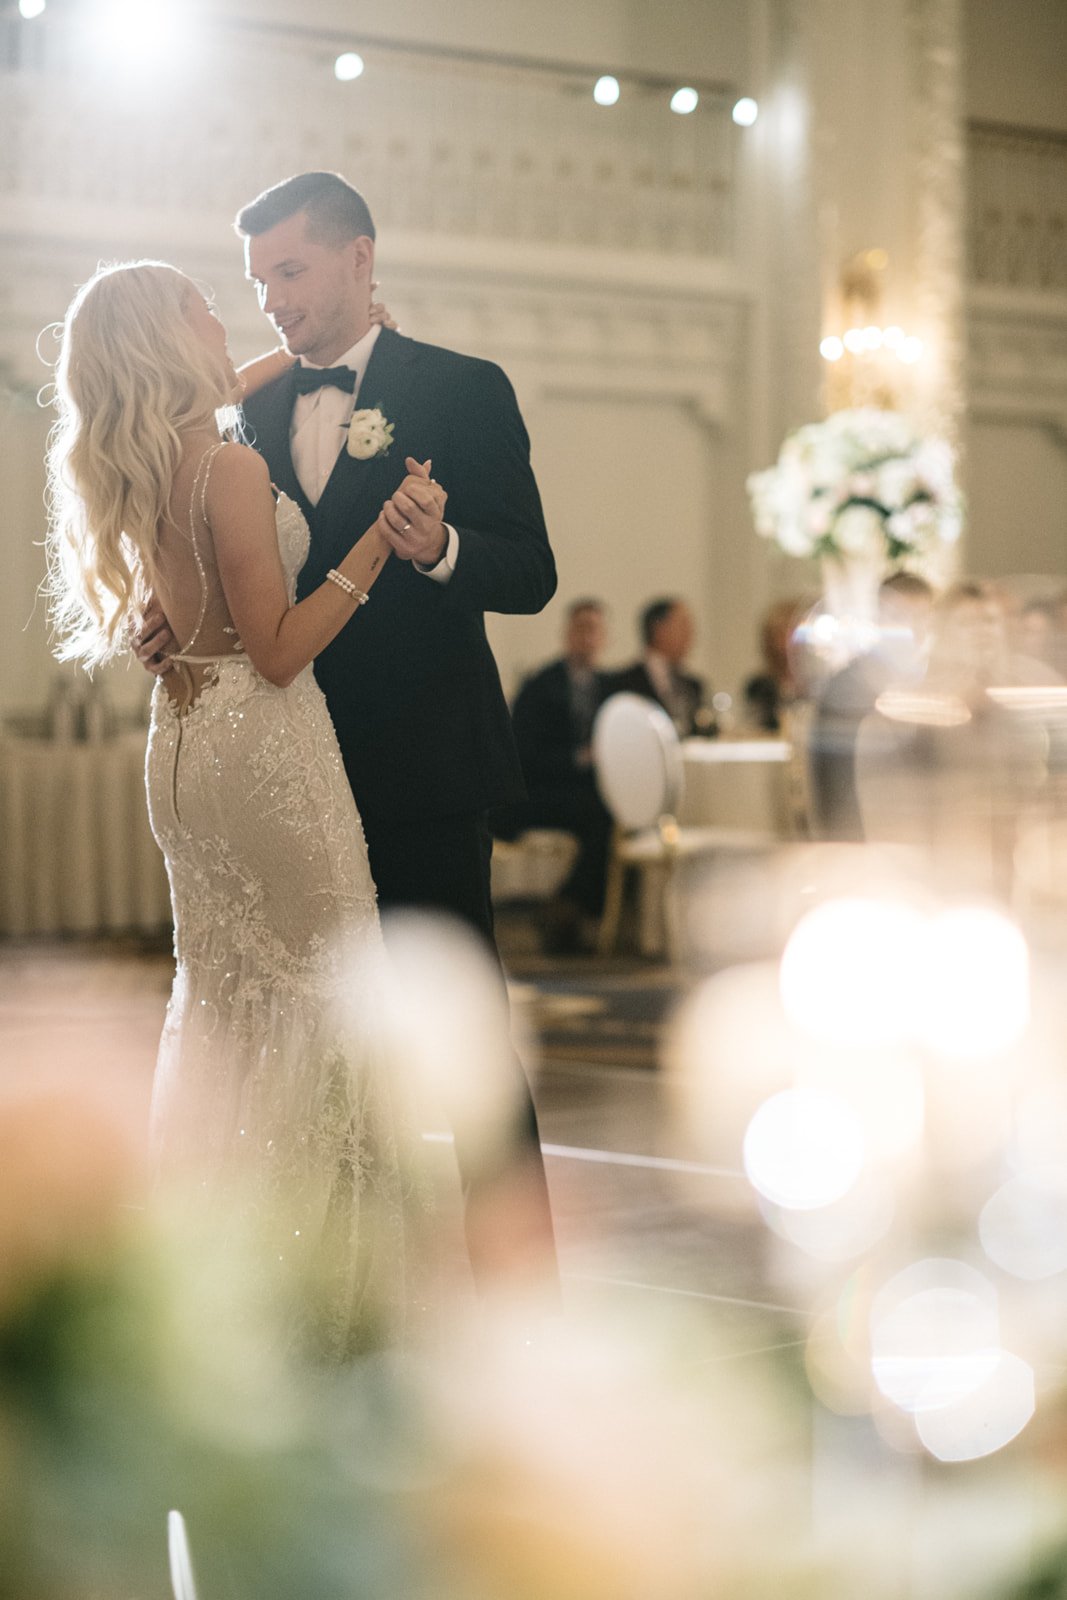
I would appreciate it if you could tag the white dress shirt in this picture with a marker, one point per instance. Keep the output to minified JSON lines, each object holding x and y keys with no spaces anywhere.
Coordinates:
{"x":667,"y":684}
{"x":317,"y":436}
{"x":659,"y":671}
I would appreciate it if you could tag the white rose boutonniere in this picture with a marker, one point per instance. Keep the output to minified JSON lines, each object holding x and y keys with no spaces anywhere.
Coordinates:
{"x":370,"y":434}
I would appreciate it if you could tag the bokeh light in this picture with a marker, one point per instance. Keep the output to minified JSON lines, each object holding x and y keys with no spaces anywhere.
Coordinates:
{"x":984,"y":1420}
{"x":1041,"y":1123}
{"x":445,"y":1022}
{"x":348,"y":66}
{"x":843,"y":1230}
{"x":935,"y":1334}
{"x":132,"y":34}
{"x":1023,"y":1227}
{"x":804,"y":1149}
{"x":729,"y":1051}
{"x":847,"y":973}
{"x":976,"y":994}
{"x":745,"y":111}
{"x":606,"y":90}
{"x":683,"y":101}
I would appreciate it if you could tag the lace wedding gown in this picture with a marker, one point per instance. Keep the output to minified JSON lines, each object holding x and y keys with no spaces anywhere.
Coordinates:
{"x":273,"y":1086}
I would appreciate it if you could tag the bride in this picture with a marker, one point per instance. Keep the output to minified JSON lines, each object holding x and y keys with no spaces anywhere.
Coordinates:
{"x":270,"y":1078}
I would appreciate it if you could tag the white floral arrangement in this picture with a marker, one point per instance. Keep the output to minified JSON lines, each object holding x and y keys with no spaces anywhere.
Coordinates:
{"x":370,"y":434}
{"x":862,"y":483}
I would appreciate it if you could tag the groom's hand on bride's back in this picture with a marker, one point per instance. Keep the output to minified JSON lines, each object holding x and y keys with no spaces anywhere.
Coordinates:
{"x":152,"y":641}
{"x":411,"y":519}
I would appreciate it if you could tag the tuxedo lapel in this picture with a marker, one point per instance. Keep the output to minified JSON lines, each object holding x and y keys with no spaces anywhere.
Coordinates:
{"x":269,"y":433}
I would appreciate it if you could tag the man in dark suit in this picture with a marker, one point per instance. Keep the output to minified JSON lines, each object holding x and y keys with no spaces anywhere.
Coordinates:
{"x":411,"y":683}
{"x":553,"y":720}
{"x":667,"y":636}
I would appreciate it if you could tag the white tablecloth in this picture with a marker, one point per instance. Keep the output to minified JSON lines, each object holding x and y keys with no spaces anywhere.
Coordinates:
{"x":738,"y":783}
{"x":76,"y":851}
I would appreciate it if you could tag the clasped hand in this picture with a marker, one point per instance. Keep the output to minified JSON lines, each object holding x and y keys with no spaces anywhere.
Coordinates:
{"x":410,"y":519}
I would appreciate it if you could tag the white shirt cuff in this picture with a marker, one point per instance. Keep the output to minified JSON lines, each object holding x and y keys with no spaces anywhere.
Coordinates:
{"x":447,"y":564}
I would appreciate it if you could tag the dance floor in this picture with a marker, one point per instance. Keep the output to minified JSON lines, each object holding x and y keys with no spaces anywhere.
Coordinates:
{"x":642,"y":1227}
{"x":635,"y":1217}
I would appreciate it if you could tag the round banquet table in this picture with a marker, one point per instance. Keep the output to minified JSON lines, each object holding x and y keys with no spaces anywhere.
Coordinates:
{"x":76,"y":852}
{"x":738,"y":783}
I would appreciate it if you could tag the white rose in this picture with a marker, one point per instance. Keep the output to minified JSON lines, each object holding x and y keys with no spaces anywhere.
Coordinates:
{"x":820,"y":515}
{"x":896,"y":483}
{"x":950,"y":523}
{"x":369,"y":435}
{"x":793,"y":538}
{"x":934,"y":464}
{"x":858,"y":531}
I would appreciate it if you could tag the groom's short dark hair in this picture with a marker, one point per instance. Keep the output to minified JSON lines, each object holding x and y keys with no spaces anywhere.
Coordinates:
{"x":336,"y":210}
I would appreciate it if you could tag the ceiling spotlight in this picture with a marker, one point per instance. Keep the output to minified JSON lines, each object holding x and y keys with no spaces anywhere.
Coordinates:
{"x":745,"y":112}
{"x":135,"y":36}
{"x":31,"y":8}
{"x":606,"y":90}
{"x":684,"y":101}
{"x":349,"y":65}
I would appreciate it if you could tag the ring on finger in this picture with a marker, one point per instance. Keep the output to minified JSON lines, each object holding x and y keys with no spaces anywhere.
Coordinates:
{"x":406,"y":528}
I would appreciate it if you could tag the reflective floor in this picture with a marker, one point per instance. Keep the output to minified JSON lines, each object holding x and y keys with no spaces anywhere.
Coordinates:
{"x":641,"y":1226}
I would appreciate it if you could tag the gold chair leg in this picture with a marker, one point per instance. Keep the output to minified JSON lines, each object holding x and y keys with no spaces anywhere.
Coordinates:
{"x":672,"y":943}
{"x":611,"y":918}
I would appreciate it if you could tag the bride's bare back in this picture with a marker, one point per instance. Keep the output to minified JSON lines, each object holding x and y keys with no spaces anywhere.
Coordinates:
{"x":188,"y":582}
{"x":220,"y":579}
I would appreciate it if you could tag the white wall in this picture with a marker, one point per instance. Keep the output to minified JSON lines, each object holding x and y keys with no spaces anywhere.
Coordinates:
{"x":1017,"y":498}
{"x":628,"y":489}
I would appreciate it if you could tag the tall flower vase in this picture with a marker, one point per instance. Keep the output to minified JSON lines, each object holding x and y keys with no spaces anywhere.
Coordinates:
{"x":843,"y":624}
{"x":850,"y":590}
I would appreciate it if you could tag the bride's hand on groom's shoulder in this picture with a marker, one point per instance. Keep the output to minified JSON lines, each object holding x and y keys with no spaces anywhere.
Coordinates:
{"x":412,"y":518}
{"x":380,"y":314}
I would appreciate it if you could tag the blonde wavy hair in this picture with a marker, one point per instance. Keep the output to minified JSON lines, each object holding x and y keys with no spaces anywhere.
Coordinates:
{"x":131,"y":378}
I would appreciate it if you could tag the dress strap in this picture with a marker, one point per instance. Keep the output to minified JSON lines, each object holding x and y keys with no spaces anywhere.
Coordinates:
{"x":198,"y":503}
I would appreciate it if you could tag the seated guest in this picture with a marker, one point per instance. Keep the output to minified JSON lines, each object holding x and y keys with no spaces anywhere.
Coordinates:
{"x":905,"y":603}
{"x":769,"y":693}
{"x":553,"y":720}
{"x":667,"y":635}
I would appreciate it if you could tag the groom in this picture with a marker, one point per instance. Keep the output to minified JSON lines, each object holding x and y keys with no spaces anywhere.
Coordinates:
{"x":411,"y":683}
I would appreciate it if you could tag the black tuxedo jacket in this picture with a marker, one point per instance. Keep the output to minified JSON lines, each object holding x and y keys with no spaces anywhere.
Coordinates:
{"x":635,"y":680}
{"x":410,"y":681}
{"x":544,"y":726}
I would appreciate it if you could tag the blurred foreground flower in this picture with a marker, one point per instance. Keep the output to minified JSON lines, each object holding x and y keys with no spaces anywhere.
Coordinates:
{"x":141,"y":1370}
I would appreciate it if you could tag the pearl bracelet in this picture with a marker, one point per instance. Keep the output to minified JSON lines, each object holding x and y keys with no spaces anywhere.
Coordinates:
{"x":358,"y":595}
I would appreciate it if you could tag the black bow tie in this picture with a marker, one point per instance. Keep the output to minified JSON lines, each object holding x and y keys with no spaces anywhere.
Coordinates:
{"x":308,"y":379}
